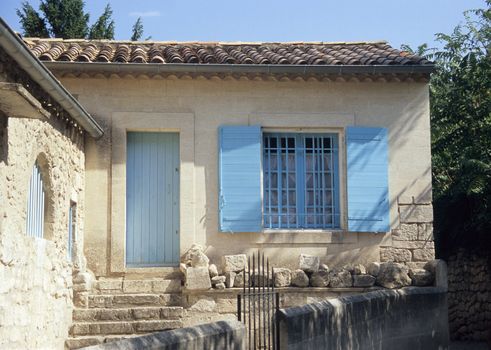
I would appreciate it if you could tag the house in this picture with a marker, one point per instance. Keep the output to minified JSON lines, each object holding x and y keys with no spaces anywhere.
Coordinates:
{"x":315,"y":148}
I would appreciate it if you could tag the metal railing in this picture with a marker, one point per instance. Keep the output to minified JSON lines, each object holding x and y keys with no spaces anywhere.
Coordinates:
{"x":258,"y":304}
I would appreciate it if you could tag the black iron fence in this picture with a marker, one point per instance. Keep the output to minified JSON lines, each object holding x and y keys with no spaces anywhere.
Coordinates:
{"x":258,"y":304}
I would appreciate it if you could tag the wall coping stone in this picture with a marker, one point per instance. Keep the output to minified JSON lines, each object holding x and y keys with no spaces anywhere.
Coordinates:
{"x":287,"y":290}
{"x":228,"y":334}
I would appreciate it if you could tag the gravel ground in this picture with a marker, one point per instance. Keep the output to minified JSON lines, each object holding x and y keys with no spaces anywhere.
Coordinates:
{"x":461,"y":345}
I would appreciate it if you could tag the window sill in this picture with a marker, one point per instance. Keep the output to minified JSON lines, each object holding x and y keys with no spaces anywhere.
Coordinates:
{"x":297,"y":236}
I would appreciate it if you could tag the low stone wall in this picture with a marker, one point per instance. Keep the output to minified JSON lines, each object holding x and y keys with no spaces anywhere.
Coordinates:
{"x":409,"y":318}
{"x":469,"y":295}
{"x":219,"y":335}
{"x":214,"y":305}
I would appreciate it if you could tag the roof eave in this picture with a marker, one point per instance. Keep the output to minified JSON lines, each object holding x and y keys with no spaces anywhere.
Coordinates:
{"x":18,"y":50}
{"x":159,"y":68}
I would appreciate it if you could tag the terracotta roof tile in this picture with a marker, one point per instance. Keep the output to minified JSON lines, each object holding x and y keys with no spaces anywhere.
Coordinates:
{"x":363,"y":53}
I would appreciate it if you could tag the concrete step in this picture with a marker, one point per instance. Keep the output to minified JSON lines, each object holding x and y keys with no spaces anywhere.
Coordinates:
{"x":117,"y":301}
{"x":125,"y":285}
{"x":122,"y":327}
{"x":127,"y":314}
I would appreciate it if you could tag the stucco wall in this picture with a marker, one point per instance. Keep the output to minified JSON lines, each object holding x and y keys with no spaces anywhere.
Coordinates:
{"x":35,"y":273}
{"x":197,"y":107}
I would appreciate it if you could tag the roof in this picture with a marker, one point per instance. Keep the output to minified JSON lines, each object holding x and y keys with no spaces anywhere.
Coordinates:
{"x":202,"y":53}
{"x":17,"y":49}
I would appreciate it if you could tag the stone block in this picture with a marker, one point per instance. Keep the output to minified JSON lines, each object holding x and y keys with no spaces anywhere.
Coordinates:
{"x":230,"y":279}
{"x":203,"y":304}
{"x":114,"y":314}
{"x":219,"y":285}
{"x":373,"y":268}
{"x":218,"y":279}
{"x":425,"y":254}
{"x":146,"y":313}
{"x":240,"y":279}
{"x":109,"y":284}
{"x":357,"y":269}
{"x":82,"y":287}
{"x":300,"y":278}
{"x":393,"y":275}
{"x":363,"y":281}
{"x":308,"y":263}
{"x":413,"y":244}
{"x":81,"y":299}
{"x":199,"y":259}
{"x":83,"y":277}
{"x":425,"y":232}
{"x":137,"y":286}
{"x":395,"y":254}
{"x":340,"y":278}
{"x":261,"y":278}
{"x":197,"y":278}
{"x":282,"y":277}
{"x":415,"y":213}
{"x":415,"y":264}
{"x":405,"y":232}
{"x":195,"y":253}
{"x":421,"y":277}
{"x":171,"y":312}
{"x":234,"y":263}
{"x":319,"y":279}
{"x":166,"y":286}
{"x":212,"y":269}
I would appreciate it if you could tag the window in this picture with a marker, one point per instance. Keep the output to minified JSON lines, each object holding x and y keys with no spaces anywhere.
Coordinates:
{"x":291,"y":180}
{"x":72,"y":229}
{"x":35,"y":204}
{"x":300,"y":181}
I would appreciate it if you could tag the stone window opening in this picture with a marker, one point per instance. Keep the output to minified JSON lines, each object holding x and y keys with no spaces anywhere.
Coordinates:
{"x":72,"y":230}
{"x":39,"y":208}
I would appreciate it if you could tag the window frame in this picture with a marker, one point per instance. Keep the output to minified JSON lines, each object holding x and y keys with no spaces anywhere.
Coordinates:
{"x":339,"y":183}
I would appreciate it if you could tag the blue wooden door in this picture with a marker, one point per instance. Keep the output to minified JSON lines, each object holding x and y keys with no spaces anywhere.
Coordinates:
{"x":152,"y":199}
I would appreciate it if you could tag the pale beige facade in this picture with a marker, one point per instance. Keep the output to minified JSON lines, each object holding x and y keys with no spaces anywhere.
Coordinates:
{"x":196,"y":108}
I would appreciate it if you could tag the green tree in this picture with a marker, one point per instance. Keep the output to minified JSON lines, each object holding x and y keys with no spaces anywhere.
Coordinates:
{"x":32,"y":23}
{"x":137,"y":30}
{"x":64,"y":19}
{"x":103,"y":28}
{"x":67,"y":18}
{"x":461,"y":134}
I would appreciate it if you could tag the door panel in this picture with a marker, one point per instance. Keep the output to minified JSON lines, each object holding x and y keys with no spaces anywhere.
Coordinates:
{"x":152,"y":199}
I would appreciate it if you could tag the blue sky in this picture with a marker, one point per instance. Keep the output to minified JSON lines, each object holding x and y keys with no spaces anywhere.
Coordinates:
{"x":412,"y":22}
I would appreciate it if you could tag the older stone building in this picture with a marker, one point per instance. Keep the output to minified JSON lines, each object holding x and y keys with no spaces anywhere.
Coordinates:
{"x":42,"y":161}
{"x":291,"y":148}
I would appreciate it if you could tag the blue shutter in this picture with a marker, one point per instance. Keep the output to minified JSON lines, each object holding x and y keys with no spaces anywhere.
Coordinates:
{"x":367,"y":168}
{"x":240,"y":179}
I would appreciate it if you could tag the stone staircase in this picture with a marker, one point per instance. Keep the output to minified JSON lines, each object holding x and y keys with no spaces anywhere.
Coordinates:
{"x":118,"y":308}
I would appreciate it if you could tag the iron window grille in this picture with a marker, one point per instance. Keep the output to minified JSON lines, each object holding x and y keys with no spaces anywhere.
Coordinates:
{"x":300,"y":181}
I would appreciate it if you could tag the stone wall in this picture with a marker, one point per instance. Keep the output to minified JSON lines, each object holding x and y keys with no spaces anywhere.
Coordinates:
{"x":469,"y":295}
{"x":409,"y":318}
{"x":35,"y":273}
{"x":411,"y":242}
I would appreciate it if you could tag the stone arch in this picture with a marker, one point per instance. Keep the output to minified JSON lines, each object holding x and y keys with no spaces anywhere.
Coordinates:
{"x":44,"y":166}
